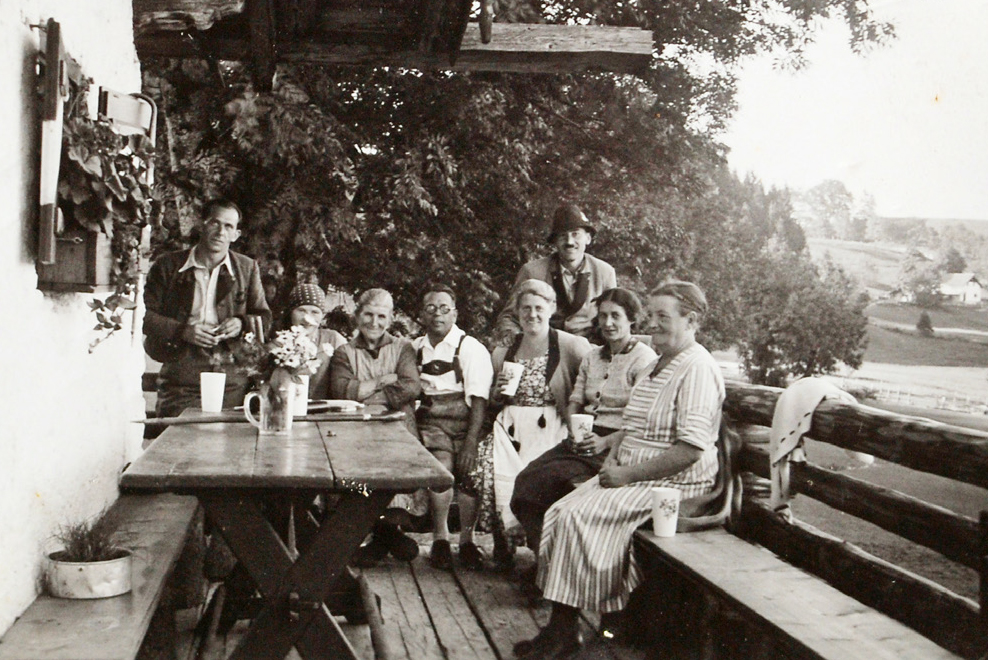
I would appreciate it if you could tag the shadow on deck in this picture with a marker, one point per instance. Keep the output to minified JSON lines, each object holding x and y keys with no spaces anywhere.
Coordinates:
{"x":437,"y":615}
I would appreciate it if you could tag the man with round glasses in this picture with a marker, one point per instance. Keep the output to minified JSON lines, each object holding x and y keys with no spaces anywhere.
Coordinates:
{"x":456,"y":374}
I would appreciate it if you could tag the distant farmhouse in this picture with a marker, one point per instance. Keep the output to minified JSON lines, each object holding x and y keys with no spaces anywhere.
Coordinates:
{"x":962,"y":289}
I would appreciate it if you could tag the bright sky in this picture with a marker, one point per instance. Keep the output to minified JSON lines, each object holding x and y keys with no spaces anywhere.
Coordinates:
{"x":907,"y":123}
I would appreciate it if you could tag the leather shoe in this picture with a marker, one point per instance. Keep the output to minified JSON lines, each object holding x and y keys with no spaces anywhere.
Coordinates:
{"x":612,"y":625}
{"x":401,"y":547}
{"x":504,"y":554}
{"x":471,"y":557}
{"x":548,"y":645}
{"x":369,"y":554}
{"x":441,"y":555}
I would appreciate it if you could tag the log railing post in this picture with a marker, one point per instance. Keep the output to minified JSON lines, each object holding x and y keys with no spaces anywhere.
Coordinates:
{"x":983,"y":573}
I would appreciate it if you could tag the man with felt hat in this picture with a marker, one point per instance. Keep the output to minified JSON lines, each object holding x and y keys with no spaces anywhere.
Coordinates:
{"x":577,"y":277}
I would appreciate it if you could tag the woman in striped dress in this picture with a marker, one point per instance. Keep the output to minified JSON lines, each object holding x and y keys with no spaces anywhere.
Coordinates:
{"x":668,"y":438}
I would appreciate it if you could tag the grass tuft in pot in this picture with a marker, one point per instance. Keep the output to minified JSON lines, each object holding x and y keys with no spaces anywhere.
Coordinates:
{"x":88,"y":541}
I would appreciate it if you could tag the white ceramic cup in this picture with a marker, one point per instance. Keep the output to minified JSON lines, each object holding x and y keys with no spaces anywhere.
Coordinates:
{"x":665,"y":510}
{"x":211,"y":385}
{"x":301,"y":405}
{"x":514,"y":371}
{"x":581,"y":427}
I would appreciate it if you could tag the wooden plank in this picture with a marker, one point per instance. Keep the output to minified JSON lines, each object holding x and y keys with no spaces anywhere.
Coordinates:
{"x":932,"y":610}
{"x":951,"y":534}
{"x":298,"y":458}
{"x":182,"y":15}
{"x":355,"y":451}
{"x":404,"y":611}
{"x":457,"y":628}
{"x":383,"y":585}
{"x":155,"y":528}
{"x":503,"y":611}
{"x":922,"y":444}
{"x":817,"y":619}
{"x":191,"y":456}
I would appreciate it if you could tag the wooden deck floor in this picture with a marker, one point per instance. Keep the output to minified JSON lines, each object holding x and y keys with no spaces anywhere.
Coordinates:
{"x":438,"y":615}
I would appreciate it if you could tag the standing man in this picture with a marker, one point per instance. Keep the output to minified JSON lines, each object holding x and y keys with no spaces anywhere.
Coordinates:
{"x":456,"y":375}
{"x":196,"y":300}
{"x":577,"y":277}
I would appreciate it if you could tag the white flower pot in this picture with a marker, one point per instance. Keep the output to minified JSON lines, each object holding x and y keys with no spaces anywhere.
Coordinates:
{"x":100,"y":579}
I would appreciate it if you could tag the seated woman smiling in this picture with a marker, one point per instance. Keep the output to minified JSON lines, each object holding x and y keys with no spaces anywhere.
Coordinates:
{"x":376,"y":367}
{"x":668,"y":437}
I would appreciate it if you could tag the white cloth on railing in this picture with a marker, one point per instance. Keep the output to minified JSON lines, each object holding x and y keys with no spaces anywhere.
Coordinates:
{"x":791,"y":420}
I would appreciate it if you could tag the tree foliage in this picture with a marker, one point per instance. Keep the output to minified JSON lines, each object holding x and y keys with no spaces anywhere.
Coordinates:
{"x":800,"y":324}
{"x":360,"y":177}
{"x":921,"y":277}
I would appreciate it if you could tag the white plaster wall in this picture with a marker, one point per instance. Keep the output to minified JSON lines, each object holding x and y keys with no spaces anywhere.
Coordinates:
{"x":65,"y":414}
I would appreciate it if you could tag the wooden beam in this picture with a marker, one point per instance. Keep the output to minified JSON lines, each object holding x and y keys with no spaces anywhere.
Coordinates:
{"x":932,"y":610}
{"x":513,"y":48}
{"x":296,"y":18}
{"x":952,"y":535}
{"x":260,"y":14}
{"x":922,"y":444}
{"x":163,"y":15}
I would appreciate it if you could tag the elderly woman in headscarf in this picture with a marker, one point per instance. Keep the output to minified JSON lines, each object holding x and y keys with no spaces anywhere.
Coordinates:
{"x":532,"y":420}
{"x":376,"y":367}
{"x":668,"y":438}
{"x":306,"y":309}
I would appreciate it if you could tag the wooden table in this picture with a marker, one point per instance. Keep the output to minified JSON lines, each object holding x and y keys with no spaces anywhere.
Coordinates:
{"x":233,"y":470}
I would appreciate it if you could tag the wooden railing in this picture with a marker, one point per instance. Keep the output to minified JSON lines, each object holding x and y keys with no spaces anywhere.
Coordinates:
{"x":960,"y":454}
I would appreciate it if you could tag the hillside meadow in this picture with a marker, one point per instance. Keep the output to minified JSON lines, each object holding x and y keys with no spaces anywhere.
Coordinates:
{"x":961,"y":317}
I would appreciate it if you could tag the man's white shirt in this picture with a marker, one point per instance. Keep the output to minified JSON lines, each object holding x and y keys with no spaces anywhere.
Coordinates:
{"x":475,"y":362}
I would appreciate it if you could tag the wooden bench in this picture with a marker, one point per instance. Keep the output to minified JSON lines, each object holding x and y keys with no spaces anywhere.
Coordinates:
{"x":155,"y":528}
{"x":775,"y":588}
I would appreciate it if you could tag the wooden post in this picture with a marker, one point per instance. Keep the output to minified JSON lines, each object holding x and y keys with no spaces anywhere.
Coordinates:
{"x":260,"y":15}
{"x":983,"y":573}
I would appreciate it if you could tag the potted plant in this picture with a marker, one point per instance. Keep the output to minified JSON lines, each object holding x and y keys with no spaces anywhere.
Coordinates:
{"x":90,"y":564}
{"x":105,"y":195}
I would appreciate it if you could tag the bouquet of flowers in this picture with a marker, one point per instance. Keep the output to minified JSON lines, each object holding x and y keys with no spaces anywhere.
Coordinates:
{"x":290,"y":350}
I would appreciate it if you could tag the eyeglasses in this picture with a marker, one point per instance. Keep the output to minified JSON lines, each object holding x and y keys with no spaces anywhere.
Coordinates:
{"x":441,"y":309}
{"x":213,"y":223}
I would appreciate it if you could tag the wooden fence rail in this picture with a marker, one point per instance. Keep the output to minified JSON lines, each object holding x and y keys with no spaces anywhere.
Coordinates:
{"x":914,"y":442}
{"x":961,"y":454}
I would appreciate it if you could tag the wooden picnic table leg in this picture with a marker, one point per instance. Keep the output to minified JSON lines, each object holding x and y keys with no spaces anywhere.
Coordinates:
{"x":310,"y":628}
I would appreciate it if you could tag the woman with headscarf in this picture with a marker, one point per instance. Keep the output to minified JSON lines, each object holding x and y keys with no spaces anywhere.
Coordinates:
{"x":306,"y":309}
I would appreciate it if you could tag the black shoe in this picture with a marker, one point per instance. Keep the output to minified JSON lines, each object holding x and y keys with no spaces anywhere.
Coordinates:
{"x":527,"y":584}
{"x":548,"y":645}
{"x":612,"y":625}
{"x":369,"y":554}
{"x":504,"y":554}
{"x":401,"y":547}
{"x":441,"y":555}
{"x":471,"y":557}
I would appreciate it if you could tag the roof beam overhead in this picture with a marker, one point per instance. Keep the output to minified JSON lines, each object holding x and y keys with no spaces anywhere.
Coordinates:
{"x":423,"y":34}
